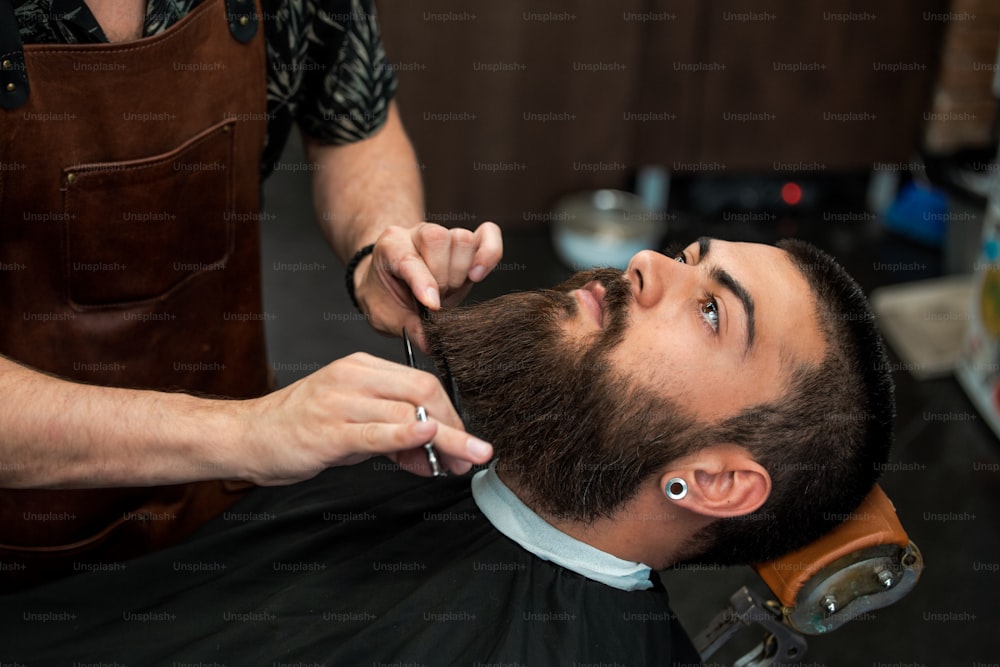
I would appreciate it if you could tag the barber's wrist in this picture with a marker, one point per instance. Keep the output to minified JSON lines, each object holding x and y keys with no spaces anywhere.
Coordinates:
{"x":357,"y":267}
{"x":219,"y":444}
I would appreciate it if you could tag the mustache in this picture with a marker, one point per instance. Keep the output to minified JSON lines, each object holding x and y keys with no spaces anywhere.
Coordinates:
{"x":610,"y":278}
{"x":617,"y":298}
{"x":615,"y":304}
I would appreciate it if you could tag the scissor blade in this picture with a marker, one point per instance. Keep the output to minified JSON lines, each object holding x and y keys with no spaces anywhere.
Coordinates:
{"x":410,"y":361}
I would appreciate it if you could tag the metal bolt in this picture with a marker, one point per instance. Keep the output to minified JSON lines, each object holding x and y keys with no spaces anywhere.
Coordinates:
{"x":885,"y":578}
{"x":6,"y":64}
{"x":830,"y":604}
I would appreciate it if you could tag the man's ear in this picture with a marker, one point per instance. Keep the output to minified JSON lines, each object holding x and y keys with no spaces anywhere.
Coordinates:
{"x":722,"y":481}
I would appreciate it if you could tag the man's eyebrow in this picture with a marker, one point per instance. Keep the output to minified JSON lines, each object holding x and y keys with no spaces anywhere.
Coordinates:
{"x":721,"y":276}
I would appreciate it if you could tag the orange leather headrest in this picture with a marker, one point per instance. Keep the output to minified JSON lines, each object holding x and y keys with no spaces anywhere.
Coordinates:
{"x":873,"y":523}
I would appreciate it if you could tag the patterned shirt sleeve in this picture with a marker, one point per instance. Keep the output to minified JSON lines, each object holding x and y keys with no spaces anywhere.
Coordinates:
{"x":345,"y":92}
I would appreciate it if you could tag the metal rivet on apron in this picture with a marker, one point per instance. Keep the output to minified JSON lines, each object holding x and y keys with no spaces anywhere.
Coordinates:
{"x":244,"y":20}
{"x":10,"y":87}
{"x":6,"y":64}
{"x":70,"y":177}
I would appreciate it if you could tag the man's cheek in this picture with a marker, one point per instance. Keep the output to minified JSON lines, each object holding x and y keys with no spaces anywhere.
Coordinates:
{"x":641,"y":367}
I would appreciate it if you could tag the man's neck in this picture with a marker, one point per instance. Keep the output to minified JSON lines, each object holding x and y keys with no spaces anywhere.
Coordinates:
{"x":646,"y":530}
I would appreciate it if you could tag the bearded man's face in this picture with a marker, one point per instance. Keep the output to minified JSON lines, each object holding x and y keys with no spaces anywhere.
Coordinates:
{"x":574,"y":435}
{"x":587,"y":389}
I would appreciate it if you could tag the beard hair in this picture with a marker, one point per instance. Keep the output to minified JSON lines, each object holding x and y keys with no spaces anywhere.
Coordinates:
{"x":573,"y":436}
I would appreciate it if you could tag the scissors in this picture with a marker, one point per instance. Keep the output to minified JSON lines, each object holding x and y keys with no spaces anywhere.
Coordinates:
{"x":432,"y":457}
{"x":446,"y":377}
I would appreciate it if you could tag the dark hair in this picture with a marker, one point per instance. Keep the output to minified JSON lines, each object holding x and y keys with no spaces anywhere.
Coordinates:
{"x":825,"y":442}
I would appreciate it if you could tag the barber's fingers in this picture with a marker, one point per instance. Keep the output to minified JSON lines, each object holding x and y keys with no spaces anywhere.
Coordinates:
{"x":432,"y":259}
{"x":458,"y":257}
{"x":459,"y":450}
{"x":394,"y":276}
{"x":434,"y":265}
{"x":395,"y":392}
{"x":460,"y":254}
{"x":489,"y":250}
{"x":456,"y":450}
{"x":403,"y":386}
{"x":432,"y":243}
{"x":393,"y":429}
{"x":389,"y":422}
{"x":397,"y":257}
{"x":350,"y":410}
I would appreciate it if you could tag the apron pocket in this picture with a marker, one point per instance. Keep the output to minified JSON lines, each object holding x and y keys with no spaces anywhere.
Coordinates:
{"x":138,"y":229}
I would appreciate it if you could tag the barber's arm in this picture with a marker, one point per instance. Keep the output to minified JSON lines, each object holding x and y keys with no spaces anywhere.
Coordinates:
{"x":369,"y":191}
{"x":60,"y":434}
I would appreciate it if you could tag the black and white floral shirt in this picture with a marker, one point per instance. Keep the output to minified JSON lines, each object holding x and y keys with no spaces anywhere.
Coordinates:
{"x":327,"y":70}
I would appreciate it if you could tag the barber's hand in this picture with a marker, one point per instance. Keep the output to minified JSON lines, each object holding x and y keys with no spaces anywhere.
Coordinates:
{"x":350,"y":410}
{"x":435,"y":264}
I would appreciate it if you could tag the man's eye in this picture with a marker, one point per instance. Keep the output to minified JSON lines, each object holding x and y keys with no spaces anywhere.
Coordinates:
{"x":675,"y":251}
{"x":710,"y":311}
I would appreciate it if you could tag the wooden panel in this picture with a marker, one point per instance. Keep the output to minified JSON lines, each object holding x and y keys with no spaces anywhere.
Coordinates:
{"x":862,"y":81}
{"x":671,"y":83}
{"x":511,"y":104}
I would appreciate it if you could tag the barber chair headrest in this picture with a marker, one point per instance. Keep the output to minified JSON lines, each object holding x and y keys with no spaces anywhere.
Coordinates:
{"x":865,"y":563}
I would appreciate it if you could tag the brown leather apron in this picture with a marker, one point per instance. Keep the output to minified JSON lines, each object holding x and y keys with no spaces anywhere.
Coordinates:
{"x":129,"y":255}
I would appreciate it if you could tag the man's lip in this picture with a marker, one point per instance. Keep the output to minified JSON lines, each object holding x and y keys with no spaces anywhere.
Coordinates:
{"x":591,"y":296}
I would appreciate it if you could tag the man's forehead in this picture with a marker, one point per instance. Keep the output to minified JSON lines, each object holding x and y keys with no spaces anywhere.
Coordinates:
{"x":767,"y":270}
{"x":741,"y":249}
{"x":785,"y":305}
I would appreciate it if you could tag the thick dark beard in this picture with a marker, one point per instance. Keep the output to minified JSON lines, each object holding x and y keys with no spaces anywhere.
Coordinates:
{"x":574,"y":437}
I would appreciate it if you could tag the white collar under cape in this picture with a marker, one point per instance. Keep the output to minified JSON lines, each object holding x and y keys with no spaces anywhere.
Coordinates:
{"x":513,"y":518}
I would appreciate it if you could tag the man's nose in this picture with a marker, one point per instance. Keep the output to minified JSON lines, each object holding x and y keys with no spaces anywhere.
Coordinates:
{"x":651,"y":274}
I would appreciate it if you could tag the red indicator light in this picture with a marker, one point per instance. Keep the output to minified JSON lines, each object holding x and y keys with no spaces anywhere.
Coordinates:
{"x":791,"y":193}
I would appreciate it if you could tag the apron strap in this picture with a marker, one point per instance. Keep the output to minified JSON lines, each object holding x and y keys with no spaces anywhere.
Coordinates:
{"x":13,"y":72}
{"x":242,"y":18}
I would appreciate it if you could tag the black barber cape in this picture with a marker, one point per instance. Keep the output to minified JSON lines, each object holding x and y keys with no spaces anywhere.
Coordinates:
{"x":366,"y":565}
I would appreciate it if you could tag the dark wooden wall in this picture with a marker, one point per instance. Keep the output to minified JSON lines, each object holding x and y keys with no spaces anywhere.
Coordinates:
{"x":512,"y":104}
